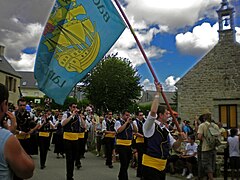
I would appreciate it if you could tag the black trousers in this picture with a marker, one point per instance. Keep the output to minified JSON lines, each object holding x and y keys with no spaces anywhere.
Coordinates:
{"x":109,"y":146}
{"x":43,"y":147}
{"x":140,"y":149}
{"x":25,"y":143}
{"x":151,"y":173}
{"x":125,"y":155}
{"x":71,"y":150}
{"x":81,"y":150}
{"x":59,"y":146}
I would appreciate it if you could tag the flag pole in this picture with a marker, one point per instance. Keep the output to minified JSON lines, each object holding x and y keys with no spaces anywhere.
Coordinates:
{"x":148,"y":63}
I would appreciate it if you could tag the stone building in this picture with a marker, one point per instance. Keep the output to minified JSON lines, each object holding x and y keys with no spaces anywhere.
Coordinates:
{"x":213,"y":84}
{"x":148,"y":96}
{"x":9,"y":77}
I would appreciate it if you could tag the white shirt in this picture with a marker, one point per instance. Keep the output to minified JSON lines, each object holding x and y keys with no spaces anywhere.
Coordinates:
{"x":42,"y":122}
{"x":233,"y":146}
{"x":104,"y":124}
{"x":149,"y":128}
{"x":191,"y":149}
{"x":117,"y":125}
{"x":64,"y":117}
{"x":135,"y":123}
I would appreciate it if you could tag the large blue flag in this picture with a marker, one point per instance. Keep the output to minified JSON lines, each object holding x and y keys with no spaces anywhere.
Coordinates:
{"x":77,"y":35}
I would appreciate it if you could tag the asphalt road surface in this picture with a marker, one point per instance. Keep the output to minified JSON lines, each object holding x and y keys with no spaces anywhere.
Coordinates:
{"x":93,"y":168}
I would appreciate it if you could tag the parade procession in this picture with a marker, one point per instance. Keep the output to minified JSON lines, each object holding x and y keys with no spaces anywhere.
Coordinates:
{"x":119,"y":89}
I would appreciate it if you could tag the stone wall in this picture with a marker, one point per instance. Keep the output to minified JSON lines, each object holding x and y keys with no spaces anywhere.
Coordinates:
{"x":214,"y":80}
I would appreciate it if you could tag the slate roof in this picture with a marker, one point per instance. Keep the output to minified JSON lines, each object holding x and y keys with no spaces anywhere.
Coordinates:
{"x":148,"y":96}
{"x":28,"y":80}
{"x":6,"y":67}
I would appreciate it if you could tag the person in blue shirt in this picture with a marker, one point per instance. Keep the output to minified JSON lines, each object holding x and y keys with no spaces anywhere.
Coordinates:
{"x":10,"y":148}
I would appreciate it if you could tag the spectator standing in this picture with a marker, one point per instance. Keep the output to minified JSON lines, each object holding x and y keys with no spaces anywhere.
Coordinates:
{"x":223,"y":131}
{"x":233,"y":143}
{"x":89,"y":118}
{"x":10,"y":148}
{"x":208,"y":153}
{"x":187,"y":129}
{"x":99,"y":135}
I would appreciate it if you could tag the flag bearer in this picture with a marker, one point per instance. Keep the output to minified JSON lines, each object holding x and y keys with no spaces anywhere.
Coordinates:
{"x":158,"y":141}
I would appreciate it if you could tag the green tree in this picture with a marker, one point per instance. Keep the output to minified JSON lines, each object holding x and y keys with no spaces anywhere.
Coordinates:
{"x":113,"y":84}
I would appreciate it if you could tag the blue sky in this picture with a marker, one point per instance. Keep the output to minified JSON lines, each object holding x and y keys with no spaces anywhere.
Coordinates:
{"x":175,"y":34}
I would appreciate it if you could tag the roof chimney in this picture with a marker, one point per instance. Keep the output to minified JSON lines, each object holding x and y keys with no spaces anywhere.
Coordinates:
{"x":2,"y":50}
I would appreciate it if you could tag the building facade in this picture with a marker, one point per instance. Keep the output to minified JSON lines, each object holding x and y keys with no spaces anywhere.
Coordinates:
{"x":213,"y":84}
{"x":9,"y":77}
{"x":29,"y":85}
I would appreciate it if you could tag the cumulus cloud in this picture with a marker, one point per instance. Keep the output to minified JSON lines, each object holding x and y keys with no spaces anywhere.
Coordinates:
{"x":199,"y":41}
{"x":147,"y":85}
{"x":203,"y":38}
{"x":16,"y":42}
{"x":126,"y":45}
{"x":22,"y":24}
{"x":168,"y":85}
{"x":171,"y":13}
{"x":25,"y":63}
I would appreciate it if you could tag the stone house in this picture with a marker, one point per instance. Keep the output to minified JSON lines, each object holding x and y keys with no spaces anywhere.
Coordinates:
{"x":9,"y":77}
{"x":213,"y":84}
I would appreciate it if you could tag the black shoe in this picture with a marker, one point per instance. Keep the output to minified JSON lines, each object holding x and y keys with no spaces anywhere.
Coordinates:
{"x":110,"y":166}
{"x":42,"y":167}
{"x":78,"y":166}
{"x":62,"y":155}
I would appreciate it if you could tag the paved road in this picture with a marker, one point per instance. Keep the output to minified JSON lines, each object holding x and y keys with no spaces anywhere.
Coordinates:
{"x":93,"y":169}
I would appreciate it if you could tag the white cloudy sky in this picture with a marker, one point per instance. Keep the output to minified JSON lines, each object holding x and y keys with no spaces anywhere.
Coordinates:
{"x":22,"y":22}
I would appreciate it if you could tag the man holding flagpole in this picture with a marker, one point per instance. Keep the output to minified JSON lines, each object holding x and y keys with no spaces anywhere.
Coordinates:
{"x":158,"y":140}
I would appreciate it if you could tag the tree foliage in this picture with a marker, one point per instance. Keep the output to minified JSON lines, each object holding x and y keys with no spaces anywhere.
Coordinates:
{"x":113,"y":84}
